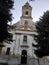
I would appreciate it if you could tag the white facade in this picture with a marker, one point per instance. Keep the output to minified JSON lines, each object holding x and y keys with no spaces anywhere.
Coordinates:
{"x":25,"y":28}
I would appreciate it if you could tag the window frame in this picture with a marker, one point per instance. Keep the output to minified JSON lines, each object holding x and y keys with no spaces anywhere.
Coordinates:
{"x":25,"y":38}
{"x":26,"y":22}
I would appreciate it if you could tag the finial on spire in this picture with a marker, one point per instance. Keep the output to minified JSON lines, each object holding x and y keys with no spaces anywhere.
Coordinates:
{"x":27,"y":3}
{"x":31,"y":0}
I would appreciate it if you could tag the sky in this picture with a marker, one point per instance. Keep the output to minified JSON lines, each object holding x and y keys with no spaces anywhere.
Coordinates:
{"x":38,"y":8}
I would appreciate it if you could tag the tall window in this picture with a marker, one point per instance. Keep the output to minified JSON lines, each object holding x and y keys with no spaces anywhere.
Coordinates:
{"x":25,"y":39}
{"x":26,"y":12}
{"x":26,"y":22}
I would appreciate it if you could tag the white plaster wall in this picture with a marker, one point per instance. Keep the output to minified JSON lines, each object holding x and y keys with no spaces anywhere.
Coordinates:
{"x":18,"y":41}
{"x":30,"y":22}
{"x":16,"y":44}
{"x":30,"y":50}
{"x":4,"y":49}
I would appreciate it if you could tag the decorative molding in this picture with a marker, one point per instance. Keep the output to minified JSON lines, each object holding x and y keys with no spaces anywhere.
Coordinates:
{"x":25,"y":46}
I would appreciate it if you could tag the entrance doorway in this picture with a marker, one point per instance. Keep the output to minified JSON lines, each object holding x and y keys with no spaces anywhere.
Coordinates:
{"x":24,"y":57}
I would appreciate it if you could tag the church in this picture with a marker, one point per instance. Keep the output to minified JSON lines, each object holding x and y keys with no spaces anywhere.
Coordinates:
{"x":21,"y":51}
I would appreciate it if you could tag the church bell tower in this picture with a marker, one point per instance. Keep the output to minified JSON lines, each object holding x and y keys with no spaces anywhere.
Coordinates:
{"x":26,"y":18}
{"x":26,"y":11}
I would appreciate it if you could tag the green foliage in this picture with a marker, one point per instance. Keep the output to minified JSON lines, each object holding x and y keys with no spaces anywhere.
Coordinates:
{"x":42,"y":38}
{"x":5,"y":17}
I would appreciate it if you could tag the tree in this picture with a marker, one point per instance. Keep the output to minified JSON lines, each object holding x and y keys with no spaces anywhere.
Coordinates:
{"x":42,"y":38}
{"x":5,"y":17}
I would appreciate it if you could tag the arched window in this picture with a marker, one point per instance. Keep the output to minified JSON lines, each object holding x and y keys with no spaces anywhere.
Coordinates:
{"x":26,"y":12}
{"x":8,"y":51}
{"x":26,"y":22}
{"x":25,"y":39}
